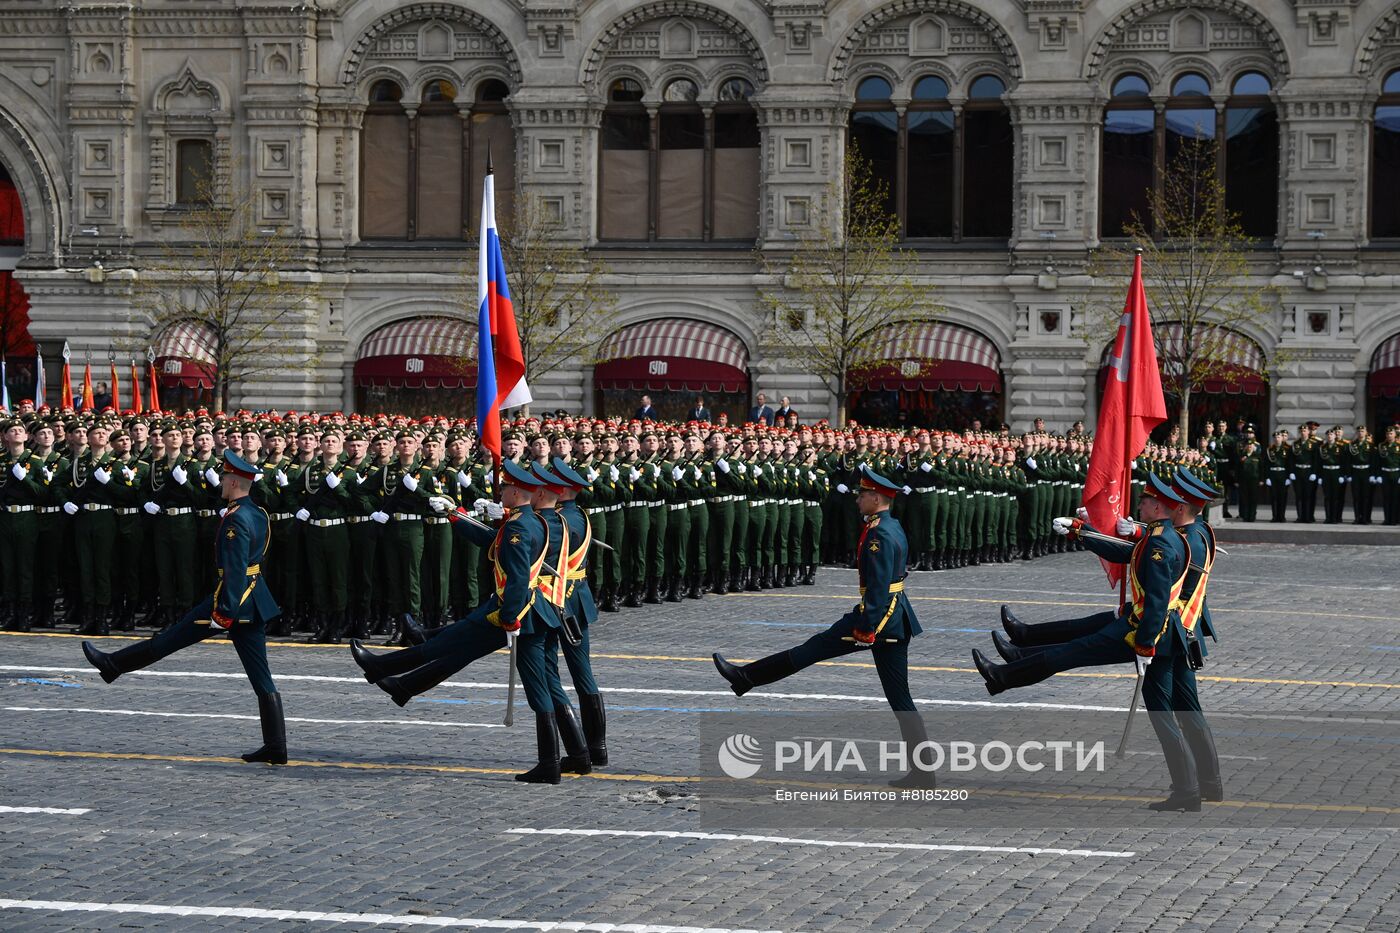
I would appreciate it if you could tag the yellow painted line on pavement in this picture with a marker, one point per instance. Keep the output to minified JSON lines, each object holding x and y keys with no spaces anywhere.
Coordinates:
{"x":659,"y":779}
{"x":920,"y":668}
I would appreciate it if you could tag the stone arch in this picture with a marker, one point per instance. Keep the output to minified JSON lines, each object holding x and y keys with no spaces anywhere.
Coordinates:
{"x":416,"y":12}
{"x":719,"y":314}
{"x":1102,"y":44}
{"x":371,"y":76}
{"x":668,"y":9}
{"x":365,"y":322}
{"x":876,"y":69}
{"x":919,"y":69}
{"x":851,"y":41}
{"x":186,"y":89}
{"x":41,"y":191}
{"x":1368,"y":52}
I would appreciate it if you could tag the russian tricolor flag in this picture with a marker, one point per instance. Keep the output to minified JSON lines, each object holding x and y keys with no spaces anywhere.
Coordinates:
{"x":500,"y":374}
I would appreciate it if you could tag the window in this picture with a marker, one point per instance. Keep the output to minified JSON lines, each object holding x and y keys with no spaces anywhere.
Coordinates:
{"x":422,"y":174}
{"x":954,"y":181}
{"x":698,"y":171}
{"x":1141,"y":140}
{"x":194,"y":172}
{"x":1385,"y":160}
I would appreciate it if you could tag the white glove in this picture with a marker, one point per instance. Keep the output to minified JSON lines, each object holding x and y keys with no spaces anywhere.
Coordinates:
{"x":811,"y":477}
{"x":1375,"y":480}
{"x":127,"y":474}
{"x":102,"y":476}
{"x":18,"y":470}
{"x":1312,"y":477}
{"x":1289,"y":481}
{"x":409,"y":482}
{"x":1292,"y":477}
{"x":592,"y":475}
{"x":281,"y":480}
{"x":722,"y":466}
{"x":302,"y":515}
{"x":211,"y":476}
{"x":440,"y":504}
{"x":463,"y":479}
{"x":332,"y":481}
{"x":842,"y":488}
{"x":655,"y":472}
{"x":633,"y":475}
{"x":677,"y":473}
{"x":1133,"y":465}
{"x":71,"y":508}
{"x":1125,"y":527}
{"x":1082,"y":514}
{"x":927,"y":466}
{"x":48,"y":474}
{"x":757,"y":470}
{"x":1319,"y":481}
{"x":1268,"y":482}
{"x":493,"y":510}
{"x":612,"y":474}
{"x":907,"y":490}
{"x":379,"y":517}
{"x":1142,"y":664}
{"x":223,"y":512}
{"x":151,"y":508}
{"x":1030,"y":462}
{"x":359,"y":479}
{"x":1061,"y":526}
{"x":1211,"y":445}
{"x":743,"y":468}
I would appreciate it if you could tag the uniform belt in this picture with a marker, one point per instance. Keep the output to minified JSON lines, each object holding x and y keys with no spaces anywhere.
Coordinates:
{"x":694,"y":502}
{"x":95,"y":507}
{"x":206,"y":513}
{"x":1390,"y":469}
{"x":896,"y":587}
{"x":406,"y":517}
{"x":50,"y":509}
{"x":281,"y":516}
{"x":655,"y":505}
{"x":252,"y":571}
{"x":19,"y":508}
{"x":677,"y":506}
{"x":722,"y":499}
{"x":327,"y":522}
{"x":636,"y":505}
{"x":924,"y":489}
{"x":181,"y":511}
{"x":127,"y":511}
{"x":436,"y":520}
{"x":811,"y":503}
{"x":356,"y":519}
{"x":614,"y":507}
{"x":1331,"y":466}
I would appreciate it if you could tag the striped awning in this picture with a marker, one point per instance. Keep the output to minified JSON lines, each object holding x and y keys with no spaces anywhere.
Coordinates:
{"x":419,"y":353}
{"x":1242,"y":365}
{"x":1384,"y":379}
{"x":186,"y":355}
{"x":672,"y":354}
{"x":929,"y":357}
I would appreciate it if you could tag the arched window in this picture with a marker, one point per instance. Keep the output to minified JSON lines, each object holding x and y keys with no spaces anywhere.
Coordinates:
{"x":422,"y":171}
{"x":954,"y":181}
{"x":1385,"y":160}
{"x":1142,"y":142}
{"x":698,"y":166}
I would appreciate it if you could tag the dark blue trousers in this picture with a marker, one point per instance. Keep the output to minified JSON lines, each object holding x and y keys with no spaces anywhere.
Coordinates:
{"x":249,"y":640}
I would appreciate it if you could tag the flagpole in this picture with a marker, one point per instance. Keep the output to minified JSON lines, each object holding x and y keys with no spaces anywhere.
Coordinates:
{"x":1128,"y":459}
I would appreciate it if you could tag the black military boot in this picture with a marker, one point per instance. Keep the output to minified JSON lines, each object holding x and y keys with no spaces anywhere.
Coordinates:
{"x":1008,"y":650}
{"x":1001,"y":677}
{"x":744,"y":678}
{"x":633,"y":599}
{"x":112,"y":665}
{"x":576,"y":759}
{"x":695,"y":590}
{"x":912,"y":731}
{"x":91,"y":625}
{"x":765,"y":578}
{"x":547,"y":746}
{"x":595,"y":727}
{"x":21,"y":618}
{"x":410,"y":632}
{"x":653,"y":597}
{"x":610,"y":603}
{"x":673,"y":589}
{"x":721,"y":584}
{"x":274,"y":732}
{"x":1185,"y":802}
{"x":751,"y":586}
{"x":810,"y":579}
{"x":318,"y":628}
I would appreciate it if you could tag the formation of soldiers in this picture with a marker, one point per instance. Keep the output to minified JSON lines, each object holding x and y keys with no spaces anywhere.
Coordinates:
{"x":685,"y":509}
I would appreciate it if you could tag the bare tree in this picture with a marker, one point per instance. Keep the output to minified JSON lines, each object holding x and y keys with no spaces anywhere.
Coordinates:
{"x":224,"y":272}
{"x":561,"y":305}
{"x":1195,"y":269}
{"x":845,"y":291}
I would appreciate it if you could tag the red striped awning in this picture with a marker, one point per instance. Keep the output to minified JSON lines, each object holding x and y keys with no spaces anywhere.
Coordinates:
{"x":1384,"y":379}
{"x":186,"y":356}
{"x":672,"y":354}
{"x":1242,"y":360}
{"x":419,"y":353}
{"x":932,"y":356}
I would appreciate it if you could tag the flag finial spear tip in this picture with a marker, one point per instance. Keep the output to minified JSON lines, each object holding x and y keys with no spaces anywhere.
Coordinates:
{"x":1137,"y":250}
{"x":489,"y":169}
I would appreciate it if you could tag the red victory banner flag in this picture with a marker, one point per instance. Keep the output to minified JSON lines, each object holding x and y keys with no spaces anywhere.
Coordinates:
{"x":116,"y":389}
{"x":87,"y":385}
{"x":1131,"y":407}
{"x":65,"y":394}
{"x":154,"y":386}
{"x":136,"y":403}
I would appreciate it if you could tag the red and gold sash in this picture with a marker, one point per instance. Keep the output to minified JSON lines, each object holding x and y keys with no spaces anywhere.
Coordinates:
{"x":1136,"y":587}
{"x":499,"y":574}
{"x":1195,"y":587}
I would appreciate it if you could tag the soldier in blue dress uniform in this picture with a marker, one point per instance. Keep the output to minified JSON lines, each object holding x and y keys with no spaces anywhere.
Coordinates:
{"x":241,"y":606}
{"x":520,"y":605}
{"x":883,"y":621}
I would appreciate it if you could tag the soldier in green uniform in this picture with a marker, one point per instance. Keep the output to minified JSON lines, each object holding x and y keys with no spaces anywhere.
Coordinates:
{"x":814,"y":492}
{"x":463,"y":477}
{"x":677,"y":517}
{"x":437,"y":536}
{"x":700,"y":486}
{"x":51,"y":467}
{"x":1332,"y":462}
{"x":728,"y":488}
{"x":1278,"y":473}
{"x":1388,"y":475}
{"x":88,"y":499}
{"x":636,"y":512}
{"x":1249,"y":464}
{"x":203,"y":469}
{"x":128,"y":494}
{"x":405,"y":485}
{"x":325,"y":497}
{"x":1361,"y":475}
{"x":1302,"y":471}
{"x":21,"y":494}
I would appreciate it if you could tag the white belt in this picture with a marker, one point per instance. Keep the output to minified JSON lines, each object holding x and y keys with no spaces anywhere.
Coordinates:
{"x":614,"y":507}
{"x":811,"y":504}
{"x":406,"y":517}
{"x":12,"y":509}
{"x":127,"y":511}
{"x":757,"y":504}
{"x":326,"y":522}
{"x":182,"y":511}
{"x":280,"y":516}
{"x":356,"y":519}
{"x":50,"y":509}
{"x":436,"y":520}
{"x":636,"y":505}
{"x":677,"y":506}
{"x":206,"y":513}
{"x":924,"y":489}
{"x":95,"y":507}
{"x":656,"y":505}
{"x":694,"y":502}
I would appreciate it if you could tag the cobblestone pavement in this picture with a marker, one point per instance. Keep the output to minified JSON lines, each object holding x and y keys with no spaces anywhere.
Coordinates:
{"x":409,"y":818}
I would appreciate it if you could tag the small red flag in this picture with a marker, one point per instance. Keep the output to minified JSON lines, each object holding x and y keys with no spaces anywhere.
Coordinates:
{"x":87,"y":386}
{"x":116,"y":389}
{"x":136,"y":389}
{"x":65,"y":393}
{"x":1132,"y":406}
{"x":155,"y":388}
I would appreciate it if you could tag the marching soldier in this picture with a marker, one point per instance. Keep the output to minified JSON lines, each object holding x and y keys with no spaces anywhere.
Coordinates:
{"x":240,"y":606}
{"x":883,"y":621}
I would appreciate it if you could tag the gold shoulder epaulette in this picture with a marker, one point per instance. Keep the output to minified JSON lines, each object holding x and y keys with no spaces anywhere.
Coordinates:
{"x":1158,"y":530}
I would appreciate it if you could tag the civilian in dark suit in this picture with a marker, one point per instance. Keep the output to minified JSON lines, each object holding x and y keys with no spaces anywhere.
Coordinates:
{"x":699,"y":412}
{"x":761,"y":413}
{"x":784,"y":410}
{"x":646,"y":412}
